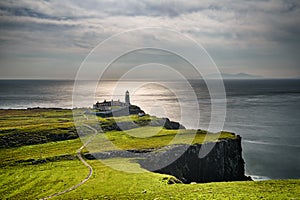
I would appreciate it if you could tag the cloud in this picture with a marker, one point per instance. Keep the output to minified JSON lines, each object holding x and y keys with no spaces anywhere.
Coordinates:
{"x":215,"y":21}
{"x":75,"y":26}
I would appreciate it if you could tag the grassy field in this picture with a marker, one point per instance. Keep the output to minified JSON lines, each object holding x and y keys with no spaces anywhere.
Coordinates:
{"x":22,"y":177}
{"x":138,"y":138}
{"x":38,"y":181}
{"x":26,"y":127}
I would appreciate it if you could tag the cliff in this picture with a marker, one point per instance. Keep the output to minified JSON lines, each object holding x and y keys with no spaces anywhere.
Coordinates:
{"x":223,"y":163}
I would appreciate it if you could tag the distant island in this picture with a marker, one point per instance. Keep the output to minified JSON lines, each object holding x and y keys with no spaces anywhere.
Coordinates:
{"x":234,"y":76}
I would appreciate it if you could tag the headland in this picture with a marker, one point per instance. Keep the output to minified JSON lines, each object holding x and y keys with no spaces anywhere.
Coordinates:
{"x":39,"y":146}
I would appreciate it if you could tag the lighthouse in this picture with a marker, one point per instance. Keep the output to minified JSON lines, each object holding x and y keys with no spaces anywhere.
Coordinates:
{"x":127,"y":99}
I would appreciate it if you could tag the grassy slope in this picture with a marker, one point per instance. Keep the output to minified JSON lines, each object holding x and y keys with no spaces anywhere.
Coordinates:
{"x":138,"y":138}
{"x":37,"y":181}
{"x":25,"y":180}
{"x":19,"y":127}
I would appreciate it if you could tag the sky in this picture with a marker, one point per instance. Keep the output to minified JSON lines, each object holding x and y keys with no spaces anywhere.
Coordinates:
{"x":50,"y":39}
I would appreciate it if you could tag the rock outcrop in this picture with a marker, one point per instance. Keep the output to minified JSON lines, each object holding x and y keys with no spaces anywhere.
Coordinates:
{"x":166,"y":123}
{"x":111,"y":125}
{"x":223,"y":163}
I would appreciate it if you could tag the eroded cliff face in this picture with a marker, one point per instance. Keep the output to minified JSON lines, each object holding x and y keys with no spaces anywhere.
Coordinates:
{"x":223,"y":163}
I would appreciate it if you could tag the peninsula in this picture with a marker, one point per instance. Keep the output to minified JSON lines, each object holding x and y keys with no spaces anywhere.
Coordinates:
{"x":39,"y":148}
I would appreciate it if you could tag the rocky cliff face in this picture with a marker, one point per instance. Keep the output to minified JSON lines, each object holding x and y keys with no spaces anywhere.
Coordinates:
{"x":223,"y":163}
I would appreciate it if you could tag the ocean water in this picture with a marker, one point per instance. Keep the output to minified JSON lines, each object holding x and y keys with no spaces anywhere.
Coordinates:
{"x":266,"y":113}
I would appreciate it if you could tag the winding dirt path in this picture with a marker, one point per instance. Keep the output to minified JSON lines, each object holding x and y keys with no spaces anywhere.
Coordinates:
{"x":84,"y":162}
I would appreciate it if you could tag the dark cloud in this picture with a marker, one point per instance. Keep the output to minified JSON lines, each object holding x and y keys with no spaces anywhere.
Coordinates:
{"x":76,"y":26}
{"x":17,"y":11}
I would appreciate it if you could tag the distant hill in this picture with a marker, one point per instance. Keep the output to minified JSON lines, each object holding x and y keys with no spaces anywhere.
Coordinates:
{"x":235,"y":76}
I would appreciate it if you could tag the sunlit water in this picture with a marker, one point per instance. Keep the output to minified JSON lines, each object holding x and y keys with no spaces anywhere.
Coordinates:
{"x":265,"y":113}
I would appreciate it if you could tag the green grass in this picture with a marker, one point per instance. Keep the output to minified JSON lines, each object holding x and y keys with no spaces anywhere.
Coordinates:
{"x":22,"y":118}
{"x":133,"y":118}
{"x":26,"y":127}
{"x":24,"y":180}
{"x":151,"y":138}
{"x":37,"y":181}
{"x":120,"y":185}
{"x":11,"y":155}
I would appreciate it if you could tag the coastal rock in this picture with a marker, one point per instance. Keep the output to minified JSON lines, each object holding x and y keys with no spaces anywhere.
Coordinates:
{"x":134,"y":110}
{"x":127,"y":125}
{"x":167,"y":124}
{"x":172,"y":125}
{"x":223,"y":163}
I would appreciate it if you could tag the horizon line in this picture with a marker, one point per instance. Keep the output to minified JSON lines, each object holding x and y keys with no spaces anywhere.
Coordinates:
{"x":67,"y":79}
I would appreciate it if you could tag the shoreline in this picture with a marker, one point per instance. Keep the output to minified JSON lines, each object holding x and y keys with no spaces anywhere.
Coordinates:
{"x":254,"y":177}
{"x":57,"y":125}
{"x":261,"y":178}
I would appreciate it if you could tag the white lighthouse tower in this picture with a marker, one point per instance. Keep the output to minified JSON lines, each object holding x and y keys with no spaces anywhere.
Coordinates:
{"x":127,"y":99}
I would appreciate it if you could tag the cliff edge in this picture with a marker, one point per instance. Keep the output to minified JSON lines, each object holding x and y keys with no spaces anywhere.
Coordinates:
{"x":223,"y":163}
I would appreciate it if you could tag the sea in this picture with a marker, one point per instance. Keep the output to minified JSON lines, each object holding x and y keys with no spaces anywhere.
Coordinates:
{"x":264,"y":112}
